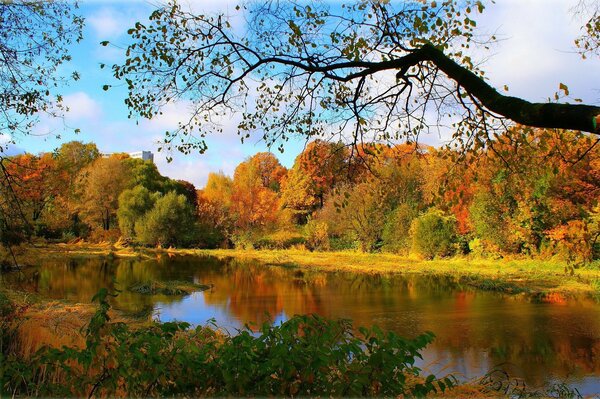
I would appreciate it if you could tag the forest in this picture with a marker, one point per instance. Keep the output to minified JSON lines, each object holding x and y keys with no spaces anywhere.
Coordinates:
{"x":533,"y":192}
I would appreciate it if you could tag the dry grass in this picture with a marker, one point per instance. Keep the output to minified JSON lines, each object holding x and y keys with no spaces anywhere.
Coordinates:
{"x":37,"y":323}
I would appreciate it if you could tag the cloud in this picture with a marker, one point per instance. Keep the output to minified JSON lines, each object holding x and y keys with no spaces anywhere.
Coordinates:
{"x":82,"y":106}
{"x":107,"y":23}
{"x":536,"y":50}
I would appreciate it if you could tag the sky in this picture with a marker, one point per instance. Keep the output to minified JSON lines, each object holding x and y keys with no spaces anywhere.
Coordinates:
{"x":534,"y":54}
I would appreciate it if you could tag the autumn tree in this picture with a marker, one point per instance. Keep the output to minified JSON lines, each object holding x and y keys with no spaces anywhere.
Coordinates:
{"x":530,"y":183}
{"x":99,"y":186}
{"x":319,"y":168}
{"x":38,"y":182}
{"x":367,"y":71}
{"x":213,"y":209}
{"x":34,"y":41}
{"x":269,"y":169}
{"x":253,"y":205}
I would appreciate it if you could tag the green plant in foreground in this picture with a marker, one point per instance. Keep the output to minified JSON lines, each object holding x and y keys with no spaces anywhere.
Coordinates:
{"x":305,"y":356}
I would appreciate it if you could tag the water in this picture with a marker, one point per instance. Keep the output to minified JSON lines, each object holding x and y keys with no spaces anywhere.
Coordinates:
{"x":540,"y":343}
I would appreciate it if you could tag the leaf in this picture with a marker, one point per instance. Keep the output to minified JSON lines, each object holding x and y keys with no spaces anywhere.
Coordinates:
{"x":564,"y":88}
{"x":104,"y":43}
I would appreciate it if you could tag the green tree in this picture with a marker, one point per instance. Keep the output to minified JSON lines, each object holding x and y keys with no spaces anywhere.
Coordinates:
{"x":133,"y":205}
{"x":434,"y":234}
{"x":169,"y":222}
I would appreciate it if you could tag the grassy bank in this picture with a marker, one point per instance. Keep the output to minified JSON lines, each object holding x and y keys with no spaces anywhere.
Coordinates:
{"x":546,"y":279}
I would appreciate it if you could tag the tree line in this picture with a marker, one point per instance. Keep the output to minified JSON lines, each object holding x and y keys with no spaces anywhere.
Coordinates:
{"x":531,"y":191}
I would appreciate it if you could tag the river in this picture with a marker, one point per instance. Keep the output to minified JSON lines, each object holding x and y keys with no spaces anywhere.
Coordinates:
{"x":476,"y":331}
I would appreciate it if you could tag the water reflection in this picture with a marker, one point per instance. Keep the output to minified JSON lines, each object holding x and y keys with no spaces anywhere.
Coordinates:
{"x":475,"y":330}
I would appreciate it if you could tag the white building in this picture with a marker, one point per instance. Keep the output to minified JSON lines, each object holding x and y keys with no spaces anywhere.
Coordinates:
{"x":144,"y":155}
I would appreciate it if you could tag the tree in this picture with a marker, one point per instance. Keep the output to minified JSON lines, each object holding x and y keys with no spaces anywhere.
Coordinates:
{"x":269,"y":169}
{"x":298,"y":194}
{"x":38,"y":182}
{"x":372,"y":69}
{"x":169,"y":222}
{"x":34,"y":41}
{"x":253,"y":206}
{"x":589,"y":42}
{"x":34,"y":38}
{"x":99,"y":187}
{"x":133,"y":205}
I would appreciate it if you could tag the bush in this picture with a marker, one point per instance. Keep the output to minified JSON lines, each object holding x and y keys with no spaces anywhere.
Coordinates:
{"x":169,"y":222}
{"x":396,"y":233}
{"x":243,"y":240}
{"x":483,"y":249}
{"x":305,"y":356}
{"x":573,"y":241}
{"x":434,"y":234}
{"x":343,"y":243}
{"x":280,"y":240}
{"x":100,"y":235}
{"x":317,"y":235}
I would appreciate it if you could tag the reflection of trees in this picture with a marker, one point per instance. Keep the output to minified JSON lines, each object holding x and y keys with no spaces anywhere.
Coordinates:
{"x":474,"y":329}
{"x":252,"y":292}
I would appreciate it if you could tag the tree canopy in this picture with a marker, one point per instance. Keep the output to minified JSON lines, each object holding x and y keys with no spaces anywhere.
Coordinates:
{"x":34,"y":40}
{"x":368,"y":71}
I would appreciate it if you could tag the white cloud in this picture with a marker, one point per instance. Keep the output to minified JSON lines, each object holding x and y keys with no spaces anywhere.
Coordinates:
{"x":82,"y":106}
{"x":107,"y":23}
{"x":536,"y":50}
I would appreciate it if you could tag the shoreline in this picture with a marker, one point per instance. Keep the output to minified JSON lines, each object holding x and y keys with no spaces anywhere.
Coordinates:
{"x":540,"y":279}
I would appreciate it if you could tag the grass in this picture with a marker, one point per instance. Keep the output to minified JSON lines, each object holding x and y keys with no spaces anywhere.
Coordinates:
{"x":167,"y":287}
{"x":36,"y":322}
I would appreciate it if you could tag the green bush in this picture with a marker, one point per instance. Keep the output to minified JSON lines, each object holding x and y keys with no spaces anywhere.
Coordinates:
{"x":343,"y":243}
{"x":396,"y":233}
{"x":280,"y":240}
{"x":305,"y":356}
{"x":170,"y":222}
{"x":133,"y":204}
{"x":434,"y":234}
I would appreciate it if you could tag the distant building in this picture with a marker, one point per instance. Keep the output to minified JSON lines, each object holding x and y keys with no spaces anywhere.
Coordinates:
{"x":144,"y":155}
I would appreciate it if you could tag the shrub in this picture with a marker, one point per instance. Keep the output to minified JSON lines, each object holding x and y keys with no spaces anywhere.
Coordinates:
{"x":280,"y":240}
{"x":305,"y":356}
{"x":243,"y":240}
{"x":317,"y":235}
{"x":396,"y":233}
{"x":573,"y":241}
{"x":100,"y":235}
{"x":434,"y":234}
{"x":169,"y":222}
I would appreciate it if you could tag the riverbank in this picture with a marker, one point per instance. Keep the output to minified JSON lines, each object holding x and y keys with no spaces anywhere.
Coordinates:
{"x":549,"y":280}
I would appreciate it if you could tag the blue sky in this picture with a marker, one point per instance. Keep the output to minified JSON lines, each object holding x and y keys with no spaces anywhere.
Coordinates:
{"x":534,"y":55}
